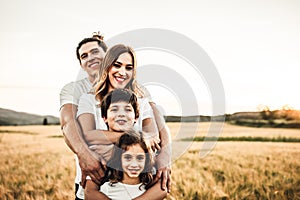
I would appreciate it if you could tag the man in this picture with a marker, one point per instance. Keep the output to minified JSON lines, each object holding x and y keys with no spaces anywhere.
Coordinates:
{"x":90,"y":52}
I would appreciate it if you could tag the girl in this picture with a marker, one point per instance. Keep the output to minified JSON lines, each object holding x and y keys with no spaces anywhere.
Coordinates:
{"x":129,"y":170}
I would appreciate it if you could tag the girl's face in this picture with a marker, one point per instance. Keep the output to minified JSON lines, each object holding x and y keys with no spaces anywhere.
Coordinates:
{"x":120,"y":73}
{"x":133,"y":162}
{"x":120,"y":116}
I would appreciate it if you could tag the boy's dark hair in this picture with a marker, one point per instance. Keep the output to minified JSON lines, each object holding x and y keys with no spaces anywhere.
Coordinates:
{"x":119,"y":95}
{"x":114,"y":173}
{"x":95,"y":38}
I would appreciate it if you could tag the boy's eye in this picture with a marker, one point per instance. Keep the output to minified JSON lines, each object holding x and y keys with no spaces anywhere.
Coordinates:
{"x":128,"y":109}
{"x":113,"y":109}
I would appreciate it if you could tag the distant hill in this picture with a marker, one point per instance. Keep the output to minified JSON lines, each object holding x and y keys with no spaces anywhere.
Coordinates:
{"x":276,"y":118}
{"x":13,"y":118}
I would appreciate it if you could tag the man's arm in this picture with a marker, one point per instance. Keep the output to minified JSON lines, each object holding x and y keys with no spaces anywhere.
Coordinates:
{"x":89,"y":164}
{"x":95,"y":136}
{"x":164,"y":158}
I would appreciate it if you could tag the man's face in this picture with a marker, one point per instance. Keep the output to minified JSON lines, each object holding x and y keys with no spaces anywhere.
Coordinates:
{"x":120,"y":116}
{"x":91,"y":56}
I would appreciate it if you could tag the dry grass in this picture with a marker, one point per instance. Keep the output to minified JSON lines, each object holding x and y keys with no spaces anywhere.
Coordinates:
{"x":36,"y":165}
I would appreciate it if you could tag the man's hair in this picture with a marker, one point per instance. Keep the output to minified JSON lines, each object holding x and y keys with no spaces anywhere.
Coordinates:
{"x":119,"y":95}
{"x":95,"y":38}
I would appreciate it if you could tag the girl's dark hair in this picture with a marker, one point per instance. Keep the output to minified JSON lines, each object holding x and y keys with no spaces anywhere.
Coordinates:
{"x":114,"y":172}
{"x":119,"y":95}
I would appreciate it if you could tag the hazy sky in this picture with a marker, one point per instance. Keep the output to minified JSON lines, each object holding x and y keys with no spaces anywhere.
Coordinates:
{"x":255,"y":46}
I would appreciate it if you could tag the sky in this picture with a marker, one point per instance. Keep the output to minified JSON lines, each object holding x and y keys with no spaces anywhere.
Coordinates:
{"x":254,"y":46}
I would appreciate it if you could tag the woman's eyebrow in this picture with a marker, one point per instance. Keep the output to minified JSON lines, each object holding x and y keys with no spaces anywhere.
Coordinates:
{"x":120,"y":63}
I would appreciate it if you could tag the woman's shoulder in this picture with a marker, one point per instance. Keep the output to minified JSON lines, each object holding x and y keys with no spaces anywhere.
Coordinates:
{"x":142,"y":100}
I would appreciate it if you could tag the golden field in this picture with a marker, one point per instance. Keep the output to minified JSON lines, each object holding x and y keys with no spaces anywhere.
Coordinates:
{"x":37,"y":164}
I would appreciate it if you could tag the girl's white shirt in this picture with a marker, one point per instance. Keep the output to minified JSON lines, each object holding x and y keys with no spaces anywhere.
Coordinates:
{"x":122,"y":191}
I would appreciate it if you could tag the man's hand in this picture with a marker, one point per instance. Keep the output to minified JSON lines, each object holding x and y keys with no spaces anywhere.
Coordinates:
{"x":91,"y":166}
{"x":103,"y":151}
{"x":164,"y":169}
{"x":165,"y":175}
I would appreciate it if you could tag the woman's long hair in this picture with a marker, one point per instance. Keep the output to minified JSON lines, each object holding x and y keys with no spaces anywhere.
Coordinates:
{"x":114,"y":172}
{"x":101,"y":88}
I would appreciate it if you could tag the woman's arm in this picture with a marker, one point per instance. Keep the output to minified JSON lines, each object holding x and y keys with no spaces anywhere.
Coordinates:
{"x":149,"y":127}
{"x":91,"y":192}
{"x":151,"y":134}
{"x":153,"y":193}
{"x":163,"y":160}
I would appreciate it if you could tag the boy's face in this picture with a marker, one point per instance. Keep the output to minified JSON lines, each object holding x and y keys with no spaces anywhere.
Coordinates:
{"x":120,"y":116}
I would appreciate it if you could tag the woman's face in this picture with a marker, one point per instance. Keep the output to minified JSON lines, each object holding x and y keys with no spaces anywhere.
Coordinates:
{"x":121,"y":72}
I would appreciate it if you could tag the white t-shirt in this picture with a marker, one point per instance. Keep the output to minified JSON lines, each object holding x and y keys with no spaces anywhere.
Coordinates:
{"x":122,"y":191}
{"x":88,"y":104}
{"x":71,"y":92}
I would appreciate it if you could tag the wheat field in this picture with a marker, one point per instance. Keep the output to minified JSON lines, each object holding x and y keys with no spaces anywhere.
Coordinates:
{"x":37,"y":164}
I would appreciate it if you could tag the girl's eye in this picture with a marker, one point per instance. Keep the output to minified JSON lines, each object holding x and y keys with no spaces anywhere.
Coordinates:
{"x":129,"y":68}
{"x":140,"y":158}
{"x":128,"y":109}
{"x":128,"y":157}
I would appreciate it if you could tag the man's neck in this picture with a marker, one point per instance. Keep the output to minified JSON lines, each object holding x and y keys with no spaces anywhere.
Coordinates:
{"x":92,"y":79}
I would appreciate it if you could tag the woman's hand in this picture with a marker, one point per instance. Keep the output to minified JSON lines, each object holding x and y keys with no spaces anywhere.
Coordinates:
{"x":152,"y":142}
